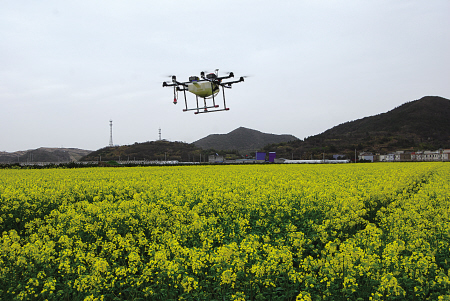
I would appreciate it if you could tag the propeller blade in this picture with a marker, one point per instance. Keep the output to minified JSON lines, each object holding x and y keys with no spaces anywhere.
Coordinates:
{"x":245,"y":76}
{"x":171,"y":76}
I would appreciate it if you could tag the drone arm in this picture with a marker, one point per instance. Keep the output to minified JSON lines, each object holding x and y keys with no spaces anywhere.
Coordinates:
{"x":175,"y":83}
{"x":181,"y":84}
{"x":168,"y":85}
{"x":230,"y":75}
{"x":241,"y":79}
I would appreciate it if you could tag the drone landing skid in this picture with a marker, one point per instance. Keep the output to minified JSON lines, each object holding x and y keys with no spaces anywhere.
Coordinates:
{"x":206,"y":108}
{"x":206,"y":111}
{"x":201,"y":108}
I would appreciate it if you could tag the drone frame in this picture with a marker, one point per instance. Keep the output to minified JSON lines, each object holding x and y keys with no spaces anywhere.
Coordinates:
{"x":215,"y":82}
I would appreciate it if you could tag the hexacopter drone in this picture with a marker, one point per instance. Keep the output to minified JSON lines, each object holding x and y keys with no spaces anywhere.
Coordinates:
{"x":206,"y":87}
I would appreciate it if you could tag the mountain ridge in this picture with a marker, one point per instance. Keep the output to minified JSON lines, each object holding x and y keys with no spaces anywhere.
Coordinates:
{"x":242,"y":139}
{"x":44,"y":154}
{"x":419,"y":124}
{"x":159,"y":150}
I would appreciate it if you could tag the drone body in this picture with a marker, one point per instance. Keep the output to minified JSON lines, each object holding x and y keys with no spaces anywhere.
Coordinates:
{"x":205,"y":87}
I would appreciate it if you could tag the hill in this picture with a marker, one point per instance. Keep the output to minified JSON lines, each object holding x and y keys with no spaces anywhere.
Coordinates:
{"x":241,"y":139}
{"x":233,"y":145}
{"x":152,"y":150}
{"x":420,"y":124}
{"x":44,"y":154}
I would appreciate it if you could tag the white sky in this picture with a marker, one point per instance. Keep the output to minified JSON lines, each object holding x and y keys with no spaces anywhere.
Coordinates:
{"x":68,"y":67}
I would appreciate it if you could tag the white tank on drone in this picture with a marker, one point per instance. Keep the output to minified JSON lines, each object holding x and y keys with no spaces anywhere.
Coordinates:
{"x":202,"y":89}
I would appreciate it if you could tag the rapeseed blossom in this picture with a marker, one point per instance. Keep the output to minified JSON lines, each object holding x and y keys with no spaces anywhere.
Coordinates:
{"x":259,"y":232}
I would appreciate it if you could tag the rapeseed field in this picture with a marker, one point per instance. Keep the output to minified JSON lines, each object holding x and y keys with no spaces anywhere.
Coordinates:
{"x":254,"y":232}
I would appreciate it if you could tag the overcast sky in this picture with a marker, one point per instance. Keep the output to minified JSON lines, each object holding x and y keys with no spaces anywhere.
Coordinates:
{"x":68,"y":67}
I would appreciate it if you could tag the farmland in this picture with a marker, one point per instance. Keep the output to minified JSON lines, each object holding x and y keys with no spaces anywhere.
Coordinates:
{"x":259,"y":232}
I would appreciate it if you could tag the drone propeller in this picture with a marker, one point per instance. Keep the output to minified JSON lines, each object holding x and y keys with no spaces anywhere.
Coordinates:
{"x":172,"y":80}
{"x":230,"y":74}
{"x":171,"y":76}
{"x":245,"y":76}
{"x":207,"y":71}
{"x":204,"y":72}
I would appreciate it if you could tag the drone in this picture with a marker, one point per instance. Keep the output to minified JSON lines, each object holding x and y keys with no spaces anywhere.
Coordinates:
{"x":206,"y":87}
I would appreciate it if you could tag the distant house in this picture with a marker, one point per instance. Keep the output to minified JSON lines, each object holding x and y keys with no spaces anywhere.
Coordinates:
{"x":438,"y":155}
{"x":429,"y":155}
{"x":445,"y":154}
{"x":387,"y":158}
{"x":405,"y":157}
{"x":402,"y":156}
{"x":366,"y":157}
{"x":432,"y":156}
{"x":416,"y":156}
{"x":215,"y":159}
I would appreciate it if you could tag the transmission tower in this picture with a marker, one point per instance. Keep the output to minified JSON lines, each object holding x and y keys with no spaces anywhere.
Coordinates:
{"x":110,"y":134}
{"x":159,"y":133}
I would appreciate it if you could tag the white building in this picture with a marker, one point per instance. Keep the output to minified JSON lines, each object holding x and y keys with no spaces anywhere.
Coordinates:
{"x":215,"y":159}
{"x":387,"y":158}
{"x":366,"y":156}
{"x":445,"y":154}
{"x":439,"y":155}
